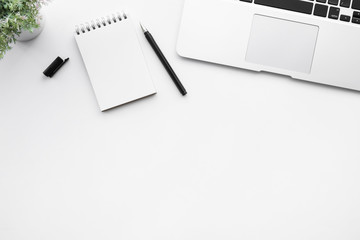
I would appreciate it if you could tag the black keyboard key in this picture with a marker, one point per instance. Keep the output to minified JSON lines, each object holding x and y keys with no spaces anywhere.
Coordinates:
{"x":345,"y":18}
{"x":334,"y":13}
{"x":356,"y":14}
{"x":321,"y":1}
{"x":292,"y":5}
{"x":321,"y":10}
{"x":345,"y":3}
{"x":333,"y":2}
{"x":356,"y":4}
{"x":356,"y":20}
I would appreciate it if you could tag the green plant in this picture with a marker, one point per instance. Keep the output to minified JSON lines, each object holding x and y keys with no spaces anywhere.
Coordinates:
{"x":15,"y":16}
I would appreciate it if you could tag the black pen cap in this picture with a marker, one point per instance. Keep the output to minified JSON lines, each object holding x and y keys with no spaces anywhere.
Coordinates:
{"x":54,"y":66}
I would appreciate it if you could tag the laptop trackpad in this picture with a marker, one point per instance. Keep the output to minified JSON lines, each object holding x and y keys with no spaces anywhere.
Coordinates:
{"x":282,"y":44}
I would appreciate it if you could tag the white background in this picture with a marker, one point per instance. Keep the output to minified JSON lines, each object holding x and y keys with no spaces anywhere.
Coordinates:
{"x":243,"y":156}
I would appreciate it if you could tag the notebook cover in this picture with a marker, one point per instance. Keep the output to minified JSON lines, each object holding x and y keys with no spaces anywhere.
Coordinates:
{"x":115,"y":62}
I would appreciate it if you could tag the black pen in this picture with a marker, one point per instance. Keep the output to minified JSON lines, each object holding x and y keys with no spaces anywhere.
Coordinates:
{"x":163,"y":60}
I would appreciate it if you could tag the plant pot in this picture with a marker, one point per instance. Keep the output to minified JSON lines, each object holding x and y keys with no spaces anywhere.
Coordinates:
{"x":26,"y":35}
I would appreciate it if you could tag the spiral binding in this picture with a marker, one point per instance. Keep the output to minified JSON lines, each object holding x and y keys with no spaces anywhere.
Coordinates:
{"x":99,"y":23}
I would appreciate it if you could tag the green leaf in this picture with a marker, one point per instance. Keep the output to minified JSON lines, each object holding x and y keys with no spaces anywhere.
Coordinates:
{"x":16,"y":15}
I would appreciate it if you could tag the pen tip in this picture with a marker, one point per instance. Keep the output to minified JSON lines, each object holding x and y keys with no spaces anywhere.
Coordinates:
{"x":143,"y":28}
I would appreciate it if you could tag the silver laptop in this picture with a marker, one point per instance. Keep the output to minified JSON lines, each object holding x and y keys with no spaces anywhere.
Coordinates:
{"x":317,"y":40}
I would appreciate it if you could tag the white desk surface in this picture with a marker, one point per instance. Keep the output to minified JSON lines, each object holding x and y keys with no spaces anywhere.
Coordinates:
{"x":243,"y":156}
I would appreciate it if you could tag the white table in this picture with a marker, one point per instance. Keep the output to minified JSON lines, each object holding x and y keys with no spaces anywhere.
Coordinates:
{"x":243,"y":156}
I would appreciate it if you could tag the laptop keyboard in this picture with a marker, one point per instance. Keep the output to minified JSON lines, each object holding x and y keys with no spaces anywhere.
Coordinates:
{"x":343,"y":10}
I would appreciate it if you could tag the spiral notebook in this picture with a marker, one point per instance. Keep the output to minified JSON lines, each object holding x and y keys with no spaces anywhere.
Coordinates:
{"x":114,"y":60}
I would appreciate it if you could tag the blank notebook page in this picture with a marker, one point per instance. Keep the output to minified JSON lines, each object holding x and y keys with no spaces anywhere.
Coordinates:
{"x":115,"y":62}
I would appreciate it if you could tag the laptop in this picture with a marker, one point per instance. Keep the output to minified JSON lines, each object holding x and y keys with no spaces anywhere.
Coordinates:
{"x":311,"y":40}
